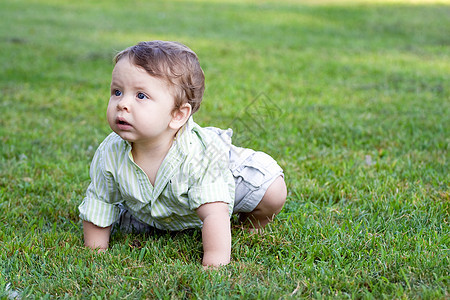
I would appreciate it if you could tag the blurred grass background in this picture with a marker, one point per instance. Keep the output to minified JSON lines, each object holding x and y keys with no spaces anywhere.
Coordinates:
{"x":353,"y":99}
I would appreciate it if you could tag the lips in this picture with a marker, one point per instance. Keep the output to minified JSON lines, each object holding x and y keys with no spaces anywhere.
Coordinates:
{"x":123,"y":124}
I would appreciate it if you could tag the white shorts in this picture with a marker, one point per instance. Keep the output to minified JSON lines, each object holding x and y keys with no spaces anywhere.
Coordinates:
{"x":253,"y":173}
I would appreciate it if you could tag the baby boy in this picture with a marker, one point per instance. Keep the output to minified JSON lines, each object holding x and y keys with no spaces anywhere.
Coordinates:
{"x":158,"y":168}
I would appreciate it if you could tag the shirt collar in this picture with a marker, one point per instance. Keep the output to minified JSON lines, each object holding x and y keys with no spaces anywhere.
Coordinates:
{"x":183,"y":138}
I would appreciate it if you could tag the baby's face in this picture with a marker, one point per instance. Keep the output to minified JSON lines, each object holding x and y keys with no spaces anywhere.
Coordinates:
{"x":140,"y":107}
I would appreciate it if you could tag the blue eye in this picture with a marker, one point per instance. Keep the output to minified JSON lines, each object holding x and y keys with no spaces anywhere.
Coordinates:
{"x":117,"y":93}
{"x":141,"y":96}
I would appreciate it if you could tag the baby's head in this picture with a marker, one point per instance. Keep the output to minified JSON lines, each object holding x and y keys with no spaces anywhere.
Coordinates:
{"x":174,"y":63}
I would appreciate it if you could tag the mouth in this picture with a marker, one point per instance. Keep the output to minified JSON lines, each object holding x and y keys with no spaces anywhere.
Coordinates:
{"x":122,"y":123}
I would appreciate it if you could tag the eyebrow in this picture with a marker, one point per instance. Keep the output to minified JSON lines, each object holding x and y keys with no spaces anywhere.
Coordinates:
{"x":114,"y":82}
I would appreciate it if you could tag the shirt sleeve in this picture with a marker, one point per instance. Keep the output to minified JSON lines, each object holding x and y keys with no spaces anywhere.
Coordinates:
{"x":99,"y":205}
{"x":213,"y":183}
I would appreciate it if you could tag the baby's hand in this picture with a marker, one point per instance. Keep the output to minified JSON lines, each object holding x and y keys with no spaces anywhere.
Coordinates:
{"x":216,"y":234}
{"x":95,"y":237}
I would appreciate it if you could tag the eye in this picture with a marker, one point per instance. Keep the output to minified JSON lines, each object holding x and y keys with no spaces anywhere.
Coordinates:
{"x":117,"y":93}
{"x":141,"y":96}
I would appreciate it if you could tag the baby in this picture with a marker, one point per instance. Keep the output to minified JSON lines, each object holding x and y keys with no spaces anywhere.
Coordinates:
{"x":158,"y":168}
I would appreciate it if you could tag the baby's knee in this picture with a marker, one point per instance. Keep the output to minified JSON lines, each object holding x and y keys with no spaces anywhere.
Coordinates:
{"x":275,"y":197}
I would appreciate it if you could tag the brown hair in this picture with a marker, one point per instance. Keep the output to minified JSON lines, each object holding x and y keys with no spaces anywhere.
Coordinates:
{"x":175,"y":63}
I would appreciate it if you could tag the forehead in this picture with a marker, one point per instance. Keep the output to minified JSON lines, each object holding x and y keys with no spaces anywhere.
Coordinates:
{"x":125,"y":71}
{"x":126,"y":65}
{"x":128,"y":75}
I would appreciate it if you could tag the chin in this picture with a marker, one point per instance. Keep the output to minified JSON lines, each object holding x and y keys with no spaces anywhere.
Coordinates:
{"x":123,"y":135}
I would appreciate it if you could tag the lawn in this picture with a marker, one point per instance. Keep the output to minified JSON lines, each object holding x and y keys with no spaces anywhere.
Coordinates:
{"x":351,"y":98}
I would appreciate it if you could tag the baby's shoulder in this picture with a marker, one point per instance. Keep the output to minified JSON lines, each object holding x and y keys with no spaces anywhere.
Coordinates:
{"x":214,"y":137}
{"x":214,"y":144}
{"x":113,"y":143}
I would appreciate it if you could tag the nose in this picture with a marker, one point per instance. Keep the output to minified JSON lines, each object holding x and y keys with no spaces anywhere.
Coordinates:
{"x":124,"y":103}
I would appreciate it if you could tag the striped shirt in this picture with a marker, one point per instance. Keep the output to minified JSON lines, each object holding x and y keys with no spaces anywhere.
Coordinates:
{"x":194,"y":172}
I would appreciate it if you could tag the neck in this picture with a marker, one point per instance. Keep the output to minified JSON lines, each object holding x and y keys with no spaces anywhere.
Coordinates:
{"x":149,"y":156}
{"x":152,"y":150}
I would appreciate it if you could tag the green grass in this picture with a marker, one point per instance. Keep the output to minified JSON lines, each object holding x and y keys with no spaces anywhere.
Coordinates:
{"x":353,"y":99}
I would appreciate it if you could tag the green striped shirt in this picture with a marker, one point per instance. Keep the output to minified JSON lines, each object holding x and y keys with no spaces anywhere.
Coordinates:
{"x":194,"y":172}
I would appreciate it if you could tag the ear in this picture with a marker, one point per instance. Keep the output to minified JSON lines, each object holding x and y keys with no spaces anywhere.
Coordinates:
{"x":180,"y":116}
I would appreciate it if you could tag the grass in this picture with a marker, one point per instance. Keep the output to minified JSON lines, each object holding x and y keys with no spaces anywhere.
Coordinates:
{"x":351,"y":97}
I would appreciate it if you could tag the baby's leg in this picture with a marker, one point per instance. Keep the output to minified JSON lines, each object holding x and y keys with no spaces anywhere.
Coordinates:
{"x":260,"y":187}
{"x":127,"y":223}
{"x":270,"y":205}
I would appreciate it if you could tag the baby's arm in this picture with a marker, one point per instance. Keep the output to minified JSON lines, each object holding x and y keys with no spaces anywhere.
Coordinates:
{"x":216,"y":233}
{"x":96,"y":237}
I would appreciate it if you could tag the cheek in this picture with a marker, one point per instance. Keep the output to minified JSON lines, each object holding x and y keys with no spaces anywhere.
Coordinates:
{"x":111,"y":105}
{"x":110,"y":111}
